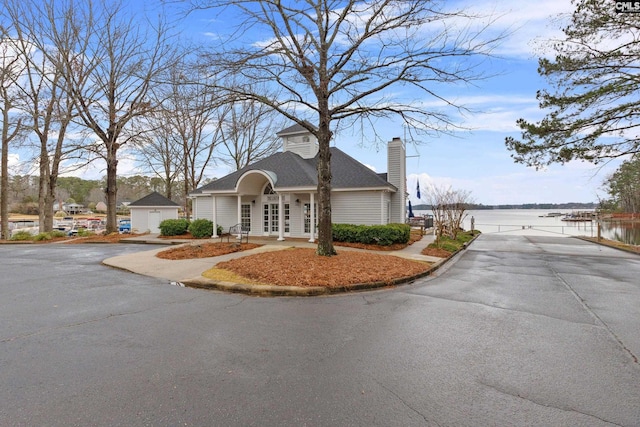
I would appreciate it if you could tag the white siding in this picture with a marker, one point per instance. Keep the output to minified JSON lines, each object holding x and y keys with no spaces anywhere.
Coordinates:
{"x":296,"y":144}
{"x":227,"y":208}
{"x":386,"y":200}
{"x":256,"y":219}
{"x":140,"y":216}
{"x":296,"y":219}
{"x":203,"y":208}
{"x":356,"y":207}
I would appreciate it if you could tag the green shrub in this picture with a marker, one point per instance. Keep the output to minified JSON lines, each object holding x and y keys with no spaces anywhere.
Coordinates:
{"x":42,"y":236}
{"x":57,"y":233}
{"x":83,"y":232}
{"x":21,"y":235}
{"x":200,"y":228}
{"x":451,"y":245}
{"x":383,"y":235}
{"x":344,"y":232}
{"x":174,"y":227}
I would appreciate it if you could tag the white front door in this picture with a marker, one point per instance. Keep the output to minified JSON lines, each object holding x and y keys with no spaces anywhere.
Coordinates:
{"x":154,"y":221}
{"x":270,"y":218}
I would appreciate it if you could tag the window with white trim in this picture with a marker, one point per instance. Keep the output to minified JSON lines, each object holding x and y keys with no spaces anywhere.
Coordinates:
{"x":245,"y":216}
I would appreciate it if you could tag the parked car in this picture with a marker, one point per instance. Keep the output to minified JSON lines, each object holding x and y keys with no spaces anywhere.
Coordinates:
{"x":124,"y":226}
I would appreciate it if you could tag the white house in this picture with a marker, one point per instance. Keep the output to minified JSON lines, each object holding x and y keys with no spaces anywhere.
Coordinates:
{"x":148,"y":212}
{"x":276,"y":196}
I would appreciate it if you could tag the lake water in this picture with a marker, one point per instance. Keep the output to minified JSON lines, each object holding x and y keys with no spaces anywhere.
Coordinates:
{"x":534,"y":222}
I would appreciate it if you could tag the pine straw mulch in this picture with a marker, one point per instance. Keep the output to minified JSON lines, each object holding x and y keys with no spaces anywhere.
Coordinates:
{"x":437,"y":252}
{"x":302,"y":267}
{"x":205,"y":250}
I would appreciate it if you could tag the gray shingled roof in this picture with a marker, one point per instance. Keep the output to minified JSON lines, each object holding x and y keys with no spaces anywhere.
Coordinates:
{"x":153,"y":199}
{"x":294,"y":171}
{"x":297,"y":128}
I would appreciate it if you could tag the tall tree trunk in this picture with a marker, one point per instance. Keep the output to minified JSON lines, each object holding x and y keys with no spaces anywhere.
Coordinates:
{"x":4,"y":177}
{"x":52,"y":184}
{"x":43,"y":189}
{"x":112,"y":189}
{"x":186,"y":192}
{"x":167,"y":185}
{"x":325,"y":232}
{"x":48,"y":206}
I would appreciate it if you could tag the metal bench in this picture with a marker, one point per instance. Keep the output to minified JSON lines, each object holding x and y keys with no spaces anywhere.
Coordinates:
{"x":239,"y":231}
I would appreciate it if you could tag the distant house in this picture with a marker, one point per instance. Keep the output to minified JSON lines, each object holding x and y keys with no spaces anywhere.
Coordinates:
{"x":73,"y":208}
{"x":101,"y":207}
{"x":148,"y":212}
{"x":276,"y":196}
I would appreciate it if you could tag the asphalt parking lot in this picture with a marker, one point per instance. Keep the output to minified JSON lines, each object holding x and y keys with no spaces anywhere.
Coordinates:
{"x":518,"y":331}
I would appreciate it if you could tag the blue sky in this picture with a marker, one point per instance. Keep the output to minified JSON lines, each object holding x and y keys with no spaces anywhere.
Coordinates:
{"x":476,"y":160}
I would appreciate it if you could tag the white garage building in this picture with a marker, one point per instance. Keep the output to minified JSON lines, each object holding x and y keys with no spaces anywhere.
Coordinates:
{"x":149,"y":211}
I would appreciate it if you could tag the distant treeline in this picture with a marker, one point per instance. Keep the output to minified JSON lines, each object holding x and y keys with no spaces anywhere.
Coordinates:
{"x":550,"y":206}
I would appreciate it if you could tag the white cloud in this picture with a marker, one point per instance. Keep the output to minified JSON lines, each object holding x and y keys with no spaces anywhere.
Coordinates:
{"x":214,"y":36}
{"x":525,"y":24}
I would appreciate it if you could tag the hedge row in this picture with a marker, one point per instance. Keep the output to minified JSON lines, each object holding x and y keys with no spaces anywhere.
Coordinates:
{"x":383,"y":235}
{"x":198,"y":228}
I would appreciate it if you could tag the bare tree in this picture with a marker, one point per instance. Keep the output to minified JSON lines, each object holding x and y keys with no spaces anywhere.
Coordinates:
{"x":191,"y":112}
{"x":344,"y":61}
{"x":248,"y":133}
{"x":449,"y":209}
{"x":11,"y":68}
{"x":437,"y":198}
{"x":44,"y":92}
{"x":114,"y":63}
{"x":159,"y":152}
{"x":457,"y":206}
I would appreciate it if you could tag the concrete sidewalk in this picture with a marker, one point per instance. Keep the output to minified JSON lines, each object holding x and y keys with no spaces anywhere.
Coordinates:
{"x":147,"y":263}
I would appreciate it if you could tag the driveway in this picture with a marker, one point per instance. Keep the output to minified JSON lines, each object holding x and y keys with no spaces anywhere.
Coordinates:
{"x":518,"y":331}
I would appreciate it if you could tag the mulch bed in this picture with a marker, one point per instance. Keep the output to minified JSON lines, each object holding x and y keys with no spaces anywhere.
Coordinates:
{"x":303,"y":267}
{"x":205,"y":250}
{"x":437,"y":252}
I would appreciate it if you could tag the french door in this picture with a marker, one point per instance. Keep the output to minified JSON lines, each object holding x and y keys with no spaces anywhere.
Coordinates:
{"x":270,"y":218}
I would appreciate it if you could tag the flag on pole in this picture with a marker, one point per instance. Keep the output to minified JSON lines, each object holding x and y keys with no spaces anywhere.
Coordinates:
{"x":418,"y":190}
